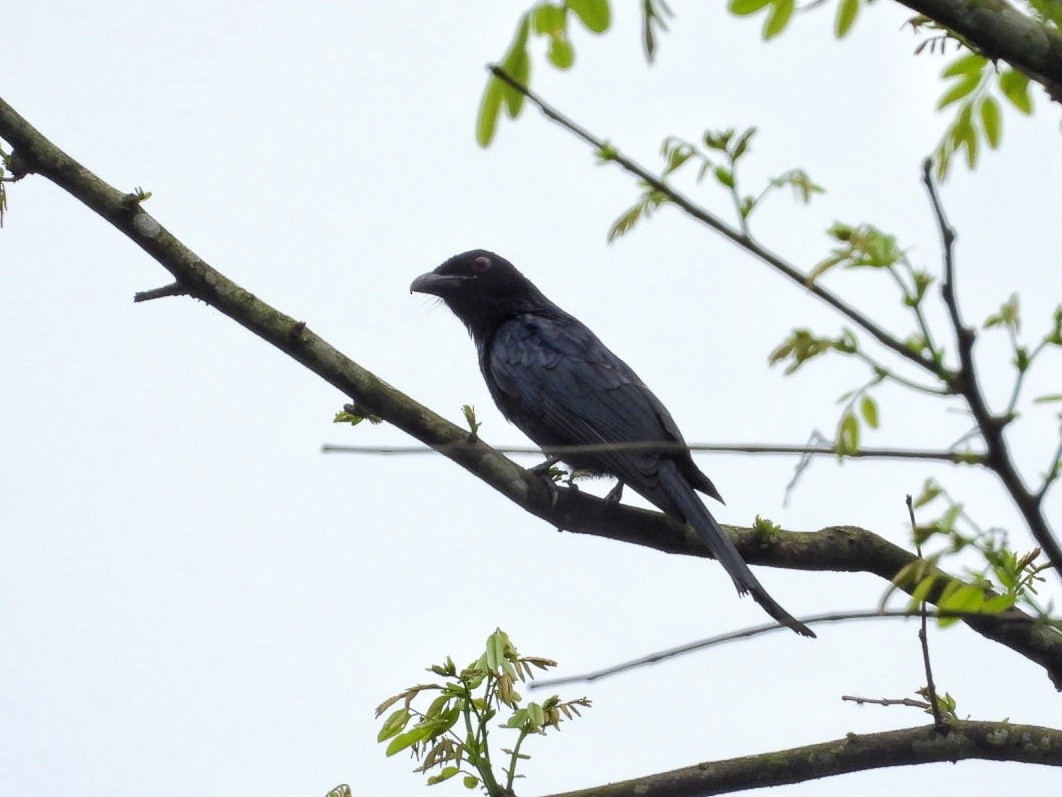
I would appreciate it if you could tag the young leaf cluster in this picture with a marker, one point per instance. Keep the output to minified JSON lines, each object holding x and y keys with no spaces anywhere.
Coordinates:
{"x":654,"y":13}
{"x":469,"y":413}
{"x":549,"y":20}
{"x":717,"y":157}
{"x":1008,"y":318}
{"x":946,"y":704}
{"x":978,"y":115}
{"x":865,"y":247}
{"x":1002,"y":580}
{"x":777,"y":13}
{"x":354,"y":418}
{"x":452,"y":734}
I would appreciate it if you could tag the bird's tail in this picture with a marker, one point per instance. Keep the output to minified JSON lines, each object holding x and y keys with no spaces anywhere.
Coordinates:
{"x":691,"y":507}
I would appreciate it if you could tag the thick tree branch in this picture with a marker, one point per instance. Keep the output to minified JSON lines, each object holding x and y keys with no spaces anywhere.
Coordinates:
{"x":1001,"y":31}
{"x":990,"y":741}
{"x":837,"y":548}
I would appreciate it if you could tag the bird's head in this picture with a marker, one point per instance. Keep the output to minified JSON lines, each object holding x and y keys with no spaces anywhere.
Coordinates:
{"x":481,"y":288}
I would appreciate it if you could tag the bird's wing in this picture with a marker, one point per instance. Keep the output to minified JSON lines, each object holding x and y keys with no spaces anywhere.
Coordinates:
{"x":562,"y":386}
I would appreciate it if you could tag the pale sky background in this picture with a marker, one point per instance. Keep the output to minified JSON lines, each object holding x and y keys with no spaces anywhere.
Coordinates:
{"x":195,"y":600}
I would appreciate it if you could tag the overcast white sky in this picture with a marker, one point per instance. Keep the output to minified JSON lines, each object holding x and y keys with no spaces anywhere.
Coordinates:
{"x":195,"y":600}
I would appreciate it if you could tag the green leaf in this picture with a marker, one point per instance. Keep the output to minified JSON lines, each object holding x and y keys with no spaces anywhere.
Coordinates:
{"x":718,"y":141}
{"x":470,"y":418}
{"x":489,"y":111}
{"x":595,"y":14}
{"x":446,"y":774}
{"x":930,"y":490}
{"x":470,"y":781}
{"x":1015,"y":87}
{"x":847,"y":435}
{"x":549,"y":20}
{"x":724,"y":176}
{"x":677,"y":155}
{"x":841,"y":232}
{"x":969,"y":141}
{"x":946,"y":522}
{"x":560,"y":53}
{"x":958,"y":90}
{"x":868,"y":408}
{"x":394,"y":724}
{"x":417,"y":734}
{"x":778,"y":18}
{"x":919,"y":593}
{"x":741,"y":146}
{"x":497,"y":645}
{"x":1009,"y":315}
{"x":969,"y":64}
{"x":967,"y":598}
{"x":743,"y":8}
{"x":1021,"y":359}
{"x":847,"y":12}
{"x":517,"y":64}
{"x":991,"y":120}
{"x":997,"y":604}
{"x":625,"y":223}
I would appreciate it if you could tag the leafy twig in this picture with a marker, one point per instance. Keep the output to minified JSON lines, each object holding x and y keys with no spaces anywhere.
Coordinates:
{"x":965,"y":382}
{"x":791,"y":272}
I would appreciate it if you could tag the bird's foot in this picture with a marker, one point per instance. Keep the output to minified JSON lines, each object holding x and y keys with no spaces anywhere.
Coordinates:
{"x":544,"y":471}
{"x":615,"y":494}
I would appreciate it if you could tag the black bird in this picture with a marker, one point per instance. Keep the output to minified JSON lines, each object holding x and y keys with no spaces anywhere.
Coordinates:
{"x":557,"y":382}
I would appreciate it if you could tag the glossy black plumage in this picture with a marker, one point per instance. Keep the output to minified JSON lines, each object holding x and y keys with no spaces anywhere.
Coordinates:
{"x":552,"y":377}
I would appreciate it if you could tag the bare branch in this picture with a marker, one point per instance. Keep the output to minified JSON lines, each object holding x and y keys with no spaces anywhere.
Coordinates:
{"x":956,"y":457}
{"x":767,"y":628}
{"x":173,"y":289}
{"x":887,"y":701}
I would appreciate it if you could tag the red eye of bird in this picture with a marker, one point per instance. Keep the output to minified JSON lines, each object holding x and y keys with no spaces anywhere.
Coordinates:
{"x":481,"y":264}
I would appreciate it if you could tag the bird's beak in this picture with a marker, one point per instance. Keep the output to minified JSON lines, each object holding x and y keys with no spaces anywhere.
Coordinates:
{"x":435,"y":284}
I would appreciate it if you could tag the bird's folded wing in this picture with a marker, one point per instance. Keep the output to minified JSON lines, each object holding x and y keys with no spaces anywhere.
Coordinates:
{"x":562,"y":386}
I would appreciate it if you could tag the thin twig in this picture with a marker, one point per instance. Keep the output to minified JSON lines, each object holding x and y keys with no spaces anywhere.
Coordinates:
{"x":887,"y":701}
{"x":957,"y":457}
{"x":173,"y":289}
{"x":966,"y":383}
{"x":759,"y":630}
{"x":923,"y":636}
{"x":1019,"y":380}
{"x":696,"y":211}
{"x":1053,"y":472}
{"x":885,"y":373}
